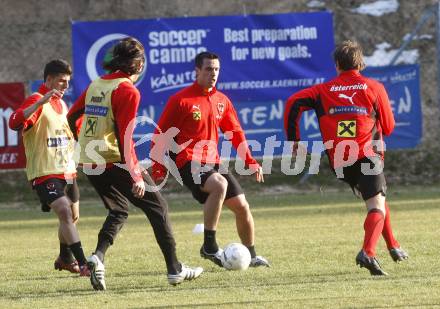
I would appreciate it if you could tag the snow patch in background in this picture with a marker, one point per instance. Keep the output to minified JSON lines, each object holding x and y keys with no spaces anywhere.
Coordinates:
{"x":418,"y":37}
{"x":382,"y":57}
{"x":316,"y":4}
{"x":378,"y":8}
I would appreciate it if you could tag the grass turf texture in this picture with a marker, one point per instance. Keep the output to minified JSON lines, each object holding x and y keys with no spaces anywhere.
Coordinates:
{"x":311,"y":239}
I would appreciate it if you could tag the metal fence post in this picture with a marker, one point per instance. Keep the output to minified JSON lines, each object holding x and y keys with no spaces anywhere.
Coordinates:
{"x":438,"y":51}
{"x":428,"y":12}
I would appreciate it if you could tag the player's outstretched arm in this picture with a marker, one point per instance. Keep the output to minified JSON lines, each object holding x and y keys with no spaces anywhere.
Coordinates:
{"x":27,"y":112}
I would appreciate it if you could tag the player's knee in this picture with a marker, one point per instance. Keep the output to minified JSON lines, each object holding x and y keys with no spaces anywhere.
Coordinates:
{"x":239,"y":205}
{"x":64,"y":214}
{"x":243,"y":208}
{"x":219,"y":184}
{"x":376,"y":202}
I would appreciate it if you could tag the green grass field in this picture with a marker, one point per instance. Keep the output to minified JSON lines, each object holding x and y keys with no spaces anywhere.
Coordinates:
{"x":310,"y":238}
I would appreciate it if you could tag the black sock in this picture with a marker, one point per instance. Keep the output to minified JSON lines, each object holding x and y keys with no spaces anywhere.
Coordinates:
{"x":210,"y":243}
{"x":66,"y":253}
{"x":78,"y":252}
{"x":252,"y":251}
{"x":101,"y":248}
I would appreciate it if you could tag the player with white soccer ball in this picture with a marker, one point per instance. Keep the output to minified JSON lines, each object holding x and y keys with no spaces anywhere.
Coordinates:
{"x":236,"y":257}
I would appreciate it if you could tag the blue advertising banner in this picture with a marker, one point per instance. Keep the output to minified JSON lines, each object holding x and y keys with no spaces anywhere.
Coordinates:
{"x":264,"y":59}
{"x":403,"y":87}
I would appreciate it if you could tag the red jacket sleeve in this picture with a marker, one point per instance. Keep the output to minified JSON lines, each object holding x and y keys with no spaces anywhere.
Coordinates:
{"x":385,"y":114}
{"x":75,"y":115}
{"x":295,"y":106}
{"x":125,"y":103}
{"x":17,"y":120}
{"x":231,"y":123}
{"x":160,"y":141}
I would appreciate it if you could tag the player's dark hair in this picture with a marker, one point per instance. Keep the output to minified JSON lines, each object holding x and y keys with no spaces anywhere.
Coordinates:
{"x":348,"y":56}
{"x":57,"y":66}
{"x":128,"y":56}
{"x":204,"y":55}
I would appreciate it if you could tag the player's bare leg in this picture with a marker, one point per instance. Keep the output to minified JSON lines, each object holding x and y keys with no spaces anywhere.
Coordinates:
{"x":243,"y":218}
{"x":376,"y":202}
{"x":245,"y":227}
{"x":75,"y":212}
{"x":215,"y":186}
{"x":68,"y":230}
{"x":62,"y":208}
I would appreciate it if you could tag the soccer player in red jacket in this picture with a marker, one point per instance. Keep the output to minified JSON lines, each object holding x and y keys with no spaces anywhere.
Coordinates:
{"x":195,"y":114}
{"x":354,"y":112}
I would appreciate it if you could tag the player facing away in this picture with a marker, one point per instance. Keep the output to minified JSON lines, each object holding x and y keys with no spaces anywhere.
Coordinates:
{"x":108,"y":110}
{"x":50,"y":168}
{"x":197,"y":113}
{"x":354,"y":112}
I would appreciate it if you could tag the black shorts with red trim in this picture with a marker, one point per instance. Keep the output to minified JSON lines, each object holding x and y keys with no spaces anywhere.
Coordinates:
{"x":195,"y":180}
{"x":53,"y":188}
{"x":366,"y":177}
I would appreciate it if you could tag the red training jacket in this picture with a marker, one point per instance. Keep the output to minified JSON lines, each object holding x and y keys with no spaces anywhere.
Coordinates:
{"x":198,"y":115}
{"x":350,"y":107}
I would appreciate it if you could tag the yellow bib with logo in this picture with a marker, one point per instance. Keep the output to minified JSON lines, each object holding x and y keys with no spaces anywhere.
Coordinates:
{"x":49,"y":144}
{"x":97,"y":137}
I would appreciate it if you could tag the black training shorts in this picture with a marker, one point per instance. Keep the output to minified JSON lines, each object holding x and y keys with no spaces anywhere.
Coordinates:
{"x":367,"y":185}
{"x":54,"y":188}
{"x":194,"y":182}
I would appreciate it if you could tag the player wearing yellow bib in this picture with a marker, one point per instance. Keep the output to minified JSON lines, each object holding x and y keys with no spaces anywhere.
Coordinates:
{"x":49,"y":146}
{"x":103,"y":119}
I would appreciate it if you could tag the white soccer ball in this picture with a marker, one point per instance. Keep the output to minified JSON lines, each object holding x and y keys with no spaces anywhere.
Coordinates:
{"x":236,"y":257}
